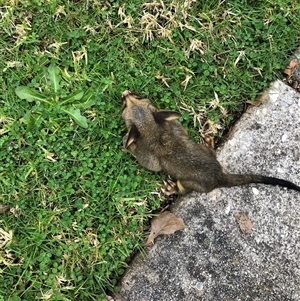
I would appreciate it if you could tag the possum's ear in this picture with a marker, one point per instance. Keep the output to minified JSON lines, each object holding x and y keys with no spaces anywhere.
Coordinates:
{"x":131,"y":136}
{"x":162,"y":116}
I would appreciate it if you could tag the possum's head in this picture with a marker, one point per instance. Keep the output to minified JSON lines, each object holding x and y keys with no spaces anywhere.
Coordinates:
{"x":136,"y":110}
{"x":141,"y":116}
{"x":140,"y":111}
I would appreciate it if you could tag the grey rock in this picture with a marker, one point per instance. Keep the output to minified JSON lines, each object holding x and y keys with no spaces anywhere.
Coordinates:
{"x":211,"y":259}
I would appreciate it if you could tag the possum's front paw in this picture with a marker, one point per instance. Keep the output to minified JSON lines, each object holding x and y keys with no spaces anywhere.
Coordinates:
{"x":170,"y":188}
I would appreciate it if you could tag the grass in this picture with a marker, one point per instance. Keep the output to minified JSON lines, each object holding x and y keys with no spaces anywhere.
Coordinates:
{"x":79,"y":205}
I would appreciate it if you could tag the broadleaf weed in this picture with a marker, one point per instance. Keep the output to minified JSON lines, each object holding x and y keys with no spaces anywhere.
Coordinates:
{"x":51,"y":101}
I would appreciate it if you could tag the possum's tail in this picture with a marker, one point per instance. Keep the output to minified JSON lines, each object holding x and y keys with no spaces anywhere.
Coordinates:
{"x":229,"y":180}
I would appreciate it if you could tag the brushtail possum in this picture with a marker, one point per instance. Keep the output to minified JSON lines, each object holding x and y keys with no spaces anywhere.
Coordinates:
{"x":160,"y":143}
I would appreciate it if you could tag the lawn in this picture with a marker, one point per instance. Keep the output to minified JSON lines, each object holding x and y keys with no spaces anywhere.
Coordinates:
{"x":73,"y":204}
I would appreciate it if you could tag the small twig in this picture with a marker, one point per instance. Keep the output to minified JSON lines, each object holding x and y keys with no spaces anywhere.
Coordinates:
{"x":87,"y":5}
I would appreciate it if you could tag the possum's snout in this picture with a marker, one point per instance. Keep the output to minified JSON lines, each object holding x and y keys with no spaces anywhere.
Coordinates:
{"x":135,"y":107}
{"x":126,"y":93}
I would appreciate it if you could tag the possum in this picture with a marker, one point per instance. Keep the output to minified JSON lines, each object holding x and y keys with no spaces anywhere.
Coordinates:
{"x":160,"y":143}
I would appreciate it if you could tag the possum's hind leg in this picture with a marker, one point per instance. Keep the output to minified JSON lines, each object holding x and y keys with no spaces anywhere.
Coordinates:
{"x":183,"y":187}
{"x":186,"y":186}
{"x":170,"y":188}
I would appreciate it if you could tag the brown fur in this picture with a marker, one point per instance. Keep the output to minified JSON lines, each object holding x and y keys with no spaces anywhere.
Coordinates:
{"x":160,"y":143}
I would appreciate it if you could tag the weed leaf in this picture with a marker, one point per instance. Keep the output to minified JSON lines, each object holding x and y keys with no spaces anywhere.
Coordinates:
{"x":77,"y":95}
{"x":53,"y":75}
{"x":76,"y":116}
{"x":28,"y":94}
{"x":86,"y":102}
{"x":31,"y":120}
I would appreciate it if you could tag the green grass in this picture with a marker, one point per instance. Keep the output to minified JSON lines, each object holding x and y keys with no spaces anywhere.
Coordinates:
{"x":79,"y":205}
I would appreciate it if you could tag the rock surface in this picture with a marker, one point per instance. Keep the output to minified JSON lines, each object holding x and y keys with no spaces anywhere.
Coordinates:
{"x":211,"y":259}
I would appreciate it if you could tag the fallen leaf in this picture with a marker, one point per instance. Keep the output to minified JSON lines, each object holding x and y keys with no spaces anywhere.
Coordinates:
{"x":4,"y":208}
{"x":244,"y":222}
{"x":164,"y":223}
{"x":289,"y":70}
